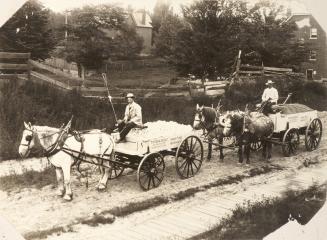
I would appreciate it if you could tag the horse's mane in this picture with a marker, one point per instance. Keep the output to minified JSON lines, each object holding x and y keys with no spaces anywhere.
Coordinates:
{"x":209,"y":114}
{"x":46,"y":129}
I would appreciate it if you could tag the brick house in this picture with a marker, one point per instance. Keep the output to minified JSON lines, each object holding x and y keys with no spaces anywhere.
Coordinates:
{"x":310,"y":31}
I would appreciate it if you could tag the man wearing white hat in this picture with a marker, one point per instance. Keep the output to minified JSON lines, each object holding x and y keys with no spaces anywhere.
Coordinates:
{"x":270,"y":94}
{"x":269,"y":98}
{"x":132,"y":118}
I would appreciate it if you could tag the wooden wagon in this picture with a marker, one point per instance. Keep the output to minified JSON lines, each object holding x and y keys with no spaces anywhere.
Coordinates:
{"x":290,"y":122}
{"x":146,"y":155}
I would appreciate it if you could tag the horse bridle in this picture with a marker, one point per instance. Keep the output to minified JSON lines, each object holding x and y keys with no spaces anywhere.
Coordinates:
{"x":52,"y":149}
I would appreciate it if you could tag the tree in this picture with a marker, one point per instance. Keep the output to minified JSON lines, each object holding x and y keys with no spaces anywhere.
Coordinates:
{"x":209,"y":43}
{"x":29,"y":29}
{"x":127,"y":43}
{"x":98,"y":32}
{"x":270,"y":37}
{"x":164,"y":41}
{"x":160,"y":11}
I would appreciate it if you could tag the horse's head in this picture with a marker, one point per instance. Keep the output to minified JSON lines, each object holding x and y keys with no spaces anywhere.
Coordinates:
{"x":232,"y":122}
{"x":204,"y":118}
{"x":198,"y":118}
{"x":28,"y":140}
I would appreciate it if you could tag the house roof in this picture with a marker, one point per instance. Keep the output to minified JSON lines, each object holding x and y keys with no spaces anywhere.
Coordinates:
{"x":141,"y":19}
{"x":9,"y":9}
{"x":303,"y":22}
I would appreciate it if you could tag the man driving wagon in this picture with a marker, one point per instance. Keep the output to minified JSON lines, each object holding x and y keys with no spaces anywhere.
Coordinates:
{"x":269,"y":98}
{"x":132,"y":117}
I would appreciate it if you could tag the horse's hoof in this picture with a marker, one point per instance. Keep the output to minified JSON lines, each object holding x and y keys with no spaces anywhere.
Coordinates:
{"x":101,"y":187}
{"x":60,"y":192}
{"x":239,"y":163}
{"x":67,"y":197}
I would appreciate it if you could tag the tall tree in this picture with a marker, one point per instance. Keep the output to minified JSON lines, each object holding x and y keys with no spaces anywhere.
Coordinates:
{"x":164,"y":41}
{"x":91,"y":33}
{"x":161,"y":9}
{"x":29,"y":29}
{"x":269,"y":37}
{"x":209,"y":43}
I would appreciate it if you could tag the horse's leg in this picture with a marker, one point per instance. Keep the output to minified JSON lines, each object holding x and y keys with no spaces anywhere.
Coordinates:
{"x":221,"y":152}
{"x":247,"y":152}
{"x":60,"y":180}
{"x":264,"y":150}
{"x":209,"y":150}
{"x":105,"y":175}
{"x":269,"y":149}
{"x":240,"y":153}
{"x":66,"y":169}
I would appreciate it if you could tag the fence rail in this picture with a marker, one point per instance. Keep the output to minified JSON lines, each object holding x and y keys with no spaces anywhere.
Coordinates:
{"x":10,"y":55}
{"x":13,"y":66}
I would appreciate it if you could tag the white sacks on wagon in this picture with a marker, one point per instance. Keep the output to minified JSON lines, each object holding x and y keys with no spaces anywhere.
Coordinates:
{"x":159,"y":129}
{"x":157,"y":136}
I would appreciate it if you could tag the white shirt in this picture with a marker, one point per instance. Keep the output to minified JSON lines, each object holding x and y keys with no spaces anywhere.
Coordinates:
{"x":270,"y":93}
{"x":133,"y":113}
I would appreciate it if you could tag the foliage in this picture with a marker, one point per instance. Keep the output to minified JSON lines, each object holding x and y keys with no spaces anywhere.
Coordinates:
{"x":88,"y":43}
{"x":161,"y":9}
{"x":127,"y":43}
{"x":210,"y":42}
{"x":217,"y":30}
{"x":267,"y":37}
{"x":165,"y":39}
{"x":29,"y":29}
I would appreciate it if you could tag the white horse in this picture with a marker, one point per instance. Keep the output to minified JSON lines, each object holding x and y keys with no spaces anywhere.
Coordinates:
{"x":62,"y":149}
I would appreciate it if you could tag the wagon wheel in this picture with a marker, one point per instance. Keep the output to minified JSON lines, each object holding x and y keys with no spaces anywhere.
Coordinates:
{"x":151,"y":171}
{"x":291,"y":142}
{"x":256,"y":146}
{"x":189,"y":156}
{"x":116,"y":171}
{"x":313,"y":134}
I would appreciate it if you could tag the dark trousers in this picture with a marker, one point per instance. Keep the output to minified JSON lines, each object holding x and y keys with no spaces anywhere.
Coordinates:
{"x":124,"y":128}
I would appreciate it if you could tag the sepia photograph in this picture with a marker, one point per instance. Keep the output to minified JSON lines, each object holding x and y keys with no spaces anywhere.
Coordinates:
{"x":163,"y":120}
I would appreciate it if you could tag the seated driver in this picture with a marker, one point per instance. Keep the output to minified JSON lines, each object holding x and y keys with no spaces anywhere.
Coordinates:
{"x":269,"y":97}
{"x":132,"y":118}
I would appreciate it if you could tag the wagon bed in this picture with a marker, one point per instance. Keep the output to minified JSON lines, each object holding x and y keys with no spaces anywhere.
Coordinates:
{"x":145,"y":153}
{"x":293,"y":120}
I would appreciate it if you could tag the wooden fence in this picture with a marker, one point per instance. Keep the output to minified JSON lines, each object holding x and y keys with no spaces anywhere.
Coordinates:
{"x":14,"y":62}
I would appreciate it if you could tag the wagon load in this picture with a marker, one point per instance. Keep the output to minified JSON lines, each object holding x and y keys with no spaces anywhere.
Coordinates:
{"x":259,"y":124}
{"x":158,"y":129}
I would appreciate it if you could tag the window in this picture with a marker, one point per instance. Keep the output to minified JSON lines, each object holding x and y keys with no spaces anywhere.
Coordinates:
{"x":313,"y":33}
{"x":313,"y":55}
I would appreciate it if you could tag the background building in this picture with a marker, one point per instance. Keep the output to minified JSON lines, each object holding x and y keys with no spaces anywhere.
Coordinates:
{"x":311,"y":32}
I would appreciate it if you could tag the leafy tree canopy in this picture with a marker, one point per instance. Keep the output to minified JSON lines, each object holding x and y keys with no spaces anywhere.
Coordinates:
{"x":29,"y":29}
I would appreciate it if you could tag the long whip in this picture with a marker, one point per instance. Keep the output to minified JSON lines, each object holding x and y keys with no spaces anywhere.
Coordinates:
{"x":104,"y":76}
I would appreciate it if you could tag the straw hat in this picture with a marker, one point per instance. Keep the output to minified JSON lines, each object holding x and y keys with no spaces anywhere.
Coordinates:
{"x":269,"y":82}
{"x":130,"y":95}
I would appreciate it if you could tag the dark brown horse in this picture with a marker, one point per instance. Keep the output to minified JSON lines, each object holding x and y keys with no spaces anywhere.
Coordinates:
{"x":248,"y":128}
{"x":206,"y":118}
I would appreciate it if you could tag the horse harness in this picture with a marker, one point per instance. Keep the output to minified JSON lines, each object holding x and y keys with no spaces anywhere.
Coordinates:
{"x":53,"y":149}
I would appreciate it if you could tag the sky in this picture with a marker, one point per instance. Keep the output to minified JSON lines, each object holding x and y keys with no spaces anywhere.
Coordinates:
{"x":316,"y":7}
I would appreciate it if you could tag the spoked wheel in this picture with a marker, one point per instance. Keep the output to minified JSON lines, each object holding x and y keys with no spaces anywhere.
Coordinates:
{"x":313,"y":134}
{"x":256,"y":146}
{"x":291,"y":141}
{"x":151,"y":171}
{"x":116,"y":171}
{"x":189,"y":156}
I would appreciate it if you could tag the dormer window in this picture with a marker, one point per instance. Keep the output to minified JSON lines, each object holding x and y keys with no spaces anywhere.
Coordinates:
{"x":313,"y":55}
{"x":313,"y":33}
